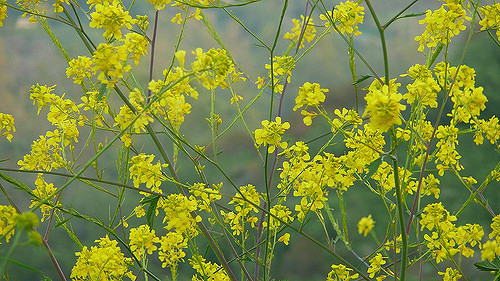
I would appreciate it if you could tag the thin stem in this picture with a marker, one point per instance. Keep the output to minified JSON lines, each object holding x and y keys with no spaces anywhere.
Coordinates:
{"x":153,"y":41}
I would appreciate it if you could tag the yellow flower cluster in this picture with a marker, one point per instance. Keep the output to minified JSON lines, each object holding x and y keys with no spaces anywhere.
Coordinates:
{"x":243,"y":208}
{"x":365,"y":146}
{"x":45,"y":154}
{"x":491,"y":17}
{"x":110,"y":62}
{"x":447,"y":156}
{"x":282,"y":67}
{"x":347,"y":16}
{"x":171,"y":250}
{"x":446,"y":239}
{"x":206,"y":195}
{"x":490,"y":128}
{"x":207,"y":271}
{"x":142,"y":170}
{"x":309,"y":95}
{"x":441,"y":25}
{"x":340,"y":272}
{"x":298,"y":25}
{"x":384,"y":176}
{"x":111,"y":17}
{"x":451,"y":274}
{"x":491,"y":248}
{"x":212,"y":68}
{"x":383,"y":106}
{"x":424,"y":87}
{"x":179,"y":214}
{"x":102,"y":262}
{"x":3,"y":13}
{"x":271,"y":133}
{"x":8,"y":216}
{"x":159,"y":4}
{"x":376,"y":264}
{"x":7,"y":126}
{"x":142,"y":241}
{"x":365,"y":225}
{"x":43,"y":191}
{"x":280,"y":213}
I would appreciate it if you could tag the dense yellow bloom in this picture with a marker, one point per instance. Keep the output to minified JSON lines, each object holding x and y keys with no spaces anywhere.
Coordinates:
{"x":433,"y":215}
{"x":8,"y":216}
{"x":491,"y":17}
{"x":282,"y":66}
{"x":383,"y":108}
{"x":347,"y":16}
{"x":495,"y":227}
{"x":212,"y":67}
{"x":110,"y":62}
{"x":207,"y":271}
{"x":441,"y":25}
{"x":451,"y":274}
{"x":365,"y":225}
{"x":178,"y":214}
{"x":142,"y":240}
{"x":43,"y":190}
{"x":271,"y":133}
{"x":309,"y":95}
{"x":340,"y":272}
{"x":243,"y":208}
{"x":446,"y":155}
{"x":102,"y":262}
{"x":136,"y":45}
{"x":424,"y":88}
{"x":142,"y":170}
{"x":298,"y":25}
{"x":490,"y":128}
{"x":490,"y":249}
{"x":45,"y":154}
{"x":285,"y":238}
{"x":376,"y":265}
{"x":7,"y":126}
{"x":111,"y":17}
{"x":3,"y":13}
{"x":206,"y":195}
{"x":171,"y":250}
{"x":80,"y":68}
{"x":279,"y":212}
{"x":159,"y":4}
{"x":365,"y":148}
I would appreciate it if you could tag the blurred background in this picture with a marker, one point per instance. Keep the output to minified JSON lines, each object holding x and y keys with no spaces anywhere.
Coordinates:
{"x":28,"y":56}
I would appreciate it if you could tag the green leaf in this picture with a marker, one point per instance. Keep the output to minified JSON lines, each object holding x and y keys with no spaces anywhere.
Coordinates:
{"x":361,"y":79}
{"x":102,"y":91}
{"x":18,"y":185}
{"x":487,"y":265}
{"x":150,"y":215}
{"x":62,"y":222}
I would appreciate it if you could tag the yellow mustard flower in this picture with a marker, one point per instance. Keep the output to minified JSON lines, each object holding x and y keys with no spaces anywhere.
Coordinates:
{"x":207,"y":270}
{"x":491,"y":17}
{"x":271,"y":133}
{"x":298,"y":25}
{"x":142,"y":240}
{"x":7,"y":126}
{"x":383,"y":108}
{"x":365,"y":225}
{"x":3,"y":13}
{"x":171,"y":250}
{"x":142,"y":170}
{"x":340,"y":272}
{"x":376,"y":264}
{"x":285,"y":238}
{"x":8,"y":216}
{"x":43,"y":190}
{"x":451,"y":274}
{"x":111,"y":17}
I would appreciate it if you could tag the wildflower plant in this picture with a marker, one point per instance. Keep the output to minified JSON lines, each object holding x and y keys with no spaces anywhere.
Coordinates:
{"x":400,"y":141}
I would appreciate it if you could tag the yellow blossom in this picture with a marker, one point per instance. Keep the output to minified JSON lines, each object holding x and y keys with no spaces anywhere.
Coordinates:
{"x":271,"y":133}
{"x":142,"y":240}
{"x":80,"y":68}
{"x":43,"y":191}
{"x":383,"y":108}
{"x":171,"y":250}
{"x":298,"y":25}
{"x":285,"y":238}
{"x":491,"y":17}
{"x":142,"y":170}
{"x":376,"y":264}
{"x":3,"y":13}
{"x":111,"y":17}
{"x":451,"y":274}
{"x":8,"y":216}
{"x":340,"y":272}
{"x":365,"y":225}
{"x":7,"y":126}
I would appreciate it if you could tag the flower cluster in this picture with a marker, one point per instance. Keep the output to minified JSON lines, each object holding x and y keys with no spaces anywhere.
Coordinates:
{"x":179,"y":214}
{"x":271,"y":133}
{"x":309,"y":95}
{"x":365,"y":225}
{"x":212,"y":68}
{"x":142,"y":241}
{"x":282,"y":69}
{"x":3,"y":13}
{"x":441,"y":25}
{"x":102,"y":262}
{"x":298,"y":25}
{"x":346,"y":16}
{"x":7,"y":125}
{"x":491,"y":17}
{"x":8,"y":216}
{"x":43,"y":191}
{"x":142,"y":170}
{"x":424,"y":87}
{"x":245,"y":209}
{"x":206,"y":270}
{"x":383,"y":107}
{"x":340,"y":272}
{"x":111,"y":17}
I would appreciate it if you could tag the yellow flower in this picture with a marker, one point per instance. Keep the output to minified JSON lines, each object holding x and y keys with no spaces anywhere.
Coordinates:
{"x":109,"y":61}
{"x":285,"y":238}
{"x":341,"y":273}
{"x":111,"y":17}
{"x":212,"y":67}
{"x":80,"y":68}
{"x":8,"y":216}
{"x":143,"y":240}
{"x":170,"y":252}
{"x":383,"y":107}
{"x":308,"y":34}
{"x":7,"y":126}
{"x":365,"y":225}
{"x":376,"y":265}
{"x":3,"y":13}
{"x":309,"y":95}
{"x":159,"y":4}
{"x":282,"y":66}
{"x":451,"y":274}
{"x":491,"y":17}
{"x":136,"y":45}
{"x":207,"y":270}
{"x":271,"y":133}
{"x":43,"y":190}
{"x":142,"y":170}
